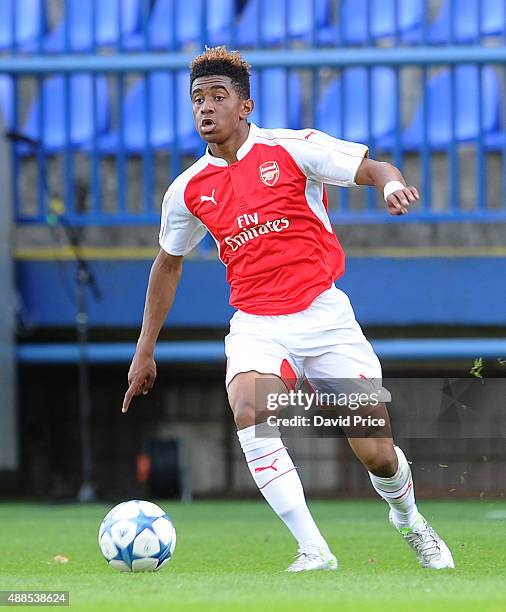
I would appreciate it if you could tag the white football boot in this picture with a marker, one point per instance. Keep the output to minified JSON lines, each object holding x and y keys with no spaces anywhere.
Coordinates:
{"x":311,"y":559}
{"x":429,"y":547}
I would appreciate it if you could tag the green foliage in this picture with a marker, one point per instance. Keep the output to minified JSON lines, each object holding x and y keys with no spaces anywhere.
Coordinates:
{"x":477,"y":369}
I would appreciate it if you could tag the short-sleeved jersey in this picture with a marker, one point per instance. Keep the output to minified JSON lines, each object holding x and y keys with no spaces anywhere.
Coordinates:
{"x":268,"y":214}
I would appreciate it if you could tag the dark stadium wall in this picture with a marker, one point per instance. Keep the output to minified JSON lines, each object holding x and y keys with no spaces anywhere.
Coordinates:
{"x":188,"y":406}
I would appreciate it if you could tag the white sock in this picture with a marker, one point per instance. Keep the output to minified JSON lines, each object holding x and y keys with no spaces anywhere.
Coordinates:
{"x":398,"y":492}
{"x":277,"y":478}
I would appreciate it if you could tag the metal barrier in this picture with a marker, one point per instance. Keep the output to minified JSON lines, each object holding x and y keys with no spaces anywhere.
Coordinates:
{"x":214,"y":352}
{"x":96,"y":118}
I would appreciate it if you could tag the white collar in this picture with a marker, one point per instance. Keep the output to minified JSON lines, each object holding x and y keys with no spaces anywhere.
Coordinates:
{"x":242,"y":151}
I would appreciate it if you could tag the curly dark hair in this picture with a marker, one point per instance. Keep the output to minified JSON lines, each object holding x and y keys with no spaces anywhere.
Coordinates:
{"x":218,"y":60}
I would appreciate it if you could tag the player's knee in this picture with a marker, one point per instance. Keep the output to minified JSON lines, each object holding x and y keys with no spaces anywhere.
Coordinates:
{"x":244,"y":414}
{"x":382,"y":462}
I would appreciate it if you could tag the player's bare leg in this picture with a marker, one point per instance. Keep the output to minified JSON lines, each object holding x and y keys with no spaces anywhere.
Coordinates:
{"x":273,"y":470}
{"x":391,"y":477}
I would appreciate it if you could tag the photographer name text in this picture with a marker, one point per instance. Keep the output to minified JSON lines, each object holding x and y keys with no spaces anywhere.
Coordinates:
{"x":318,"y":420}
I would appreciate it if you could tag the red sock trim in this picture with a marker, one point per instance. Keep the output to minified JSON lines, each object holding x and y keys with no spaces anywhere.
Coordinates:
{"x":278,"y":476}
{"x":403,"y":494}
{"x":396,"y":490}
{"x":266,"y":455}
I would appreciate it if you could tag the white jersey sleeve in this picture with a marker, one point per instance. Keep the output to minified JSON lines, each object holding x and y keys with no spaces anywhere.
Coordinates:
{"x":180,"y":231}
{"x":323,"y":158}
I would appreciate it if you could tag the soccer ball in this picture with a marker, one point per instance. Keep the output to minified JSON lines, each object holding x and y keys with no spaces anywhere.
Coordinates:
{"x":137,"y":536}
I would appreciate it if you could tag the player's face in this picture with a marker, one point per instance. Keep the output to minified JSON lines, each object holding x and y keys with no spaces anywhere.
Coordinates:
{"x":217,"y":108}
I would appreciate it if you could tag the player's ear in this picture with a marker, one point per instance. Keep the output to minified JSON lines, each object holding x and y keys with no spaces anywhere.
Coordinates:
{"x":247,"y":108}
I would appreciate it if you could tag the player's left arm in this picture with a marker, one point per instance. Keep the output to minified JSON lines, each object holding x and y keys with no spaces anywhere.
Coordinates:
{"x":326,"y":159}
{"x":389,"y":181}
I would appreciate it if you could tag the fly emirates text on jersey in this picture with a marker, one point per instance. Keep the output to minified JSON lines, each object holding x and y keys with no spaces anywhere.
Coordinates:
{"x":251,"y":229}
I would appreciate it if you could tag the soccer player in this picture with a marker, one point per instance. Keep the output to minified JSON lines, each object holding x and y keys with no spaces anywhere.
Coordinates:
{"x":261,"y":195}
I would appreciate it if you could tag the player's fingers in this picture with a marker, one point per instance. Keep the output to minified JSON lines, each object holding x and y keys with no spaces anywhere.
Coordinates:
{"x":414,"y":192}
{"x":127,"y":399}
{"x":148,"y":384}
{"x":145,"y":387}
{"x":397,"y":208}
{"x":398,"y":201}
{"x":393,"y":204}
{"x":402,"y":198}
{"x":134,"y":389}
{"x":405,"y":196}
{"x":394,"y":209}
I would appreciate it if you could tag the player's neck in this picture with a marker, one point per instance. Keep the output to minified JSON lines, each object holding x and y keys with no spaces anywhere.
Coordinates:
{"x":228,"y":150}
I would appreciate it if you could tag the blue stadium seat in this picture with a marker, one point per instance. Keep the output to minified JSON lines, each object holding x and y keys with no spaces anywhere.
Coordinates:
{"x":466,"y":111}
{"x":466,"y":26}
{"x":161,"y":134}
{"x":278,"y":98}
{"x":7,"y":101}
{"x":382,"y":21}
{"x":30,"y":23}
{"x":355,"y":126}
{"x":79,"y":20}
{"x":162,"y":34}
{"x":496,"y":141}
{"x":82,"y":128}
{"x":273,"y":19}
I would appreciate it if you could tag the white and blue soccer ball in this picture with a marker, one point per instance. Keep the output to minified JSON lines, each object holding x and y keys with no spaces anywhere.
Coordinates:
{"x":137,"y":536}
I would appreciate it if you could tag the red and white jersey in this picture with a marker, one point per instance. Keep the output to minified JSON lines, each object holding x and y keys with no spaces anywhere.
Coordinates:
{"x":268,"y":215}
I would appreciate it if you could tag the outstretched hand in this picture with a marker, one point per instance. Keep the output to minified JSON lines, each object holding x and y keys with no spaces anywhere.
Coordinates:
{"x":141,"y":378}
{"x":398,"y":202}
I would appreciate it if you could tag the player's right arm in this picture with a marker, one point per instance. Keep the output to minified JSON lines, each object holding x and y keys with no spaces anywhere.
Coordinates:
{"x":180,"y":232}
{"x":163,"y":281}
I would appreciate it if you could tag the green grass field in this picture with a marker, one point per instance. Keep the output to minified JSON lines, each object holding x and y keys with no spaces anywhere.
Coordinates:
{"x":230,"y":556}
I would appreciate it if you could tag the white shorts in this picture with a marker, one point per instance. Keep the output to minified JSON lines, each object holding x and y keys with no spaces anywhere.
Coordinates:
{"x":322,"y":342}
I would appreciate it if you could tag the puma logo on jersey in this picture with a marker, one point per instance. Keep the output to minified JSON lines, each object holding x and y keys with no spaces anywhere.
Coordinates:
{"x":205,"y":198}
{"x":306,"y":137}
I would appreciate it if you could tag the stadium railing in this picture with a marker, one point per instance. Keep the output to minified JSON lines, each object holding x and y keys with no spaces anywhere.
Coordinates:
{"x":213,"y":351}
{"x":95,"y":100}
{"x":87,"y":112}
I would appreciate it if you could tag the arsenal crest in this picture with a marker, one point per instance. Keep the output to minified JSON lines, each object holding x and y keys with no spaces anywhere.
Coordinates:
{"x":269,"y":173}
